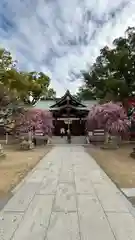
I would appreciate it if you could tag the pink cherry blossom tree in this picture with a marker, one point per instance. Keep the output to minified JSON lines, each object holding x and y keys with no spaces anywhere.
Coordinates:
{"x":37,"y":119}
{"x":109,"y":116}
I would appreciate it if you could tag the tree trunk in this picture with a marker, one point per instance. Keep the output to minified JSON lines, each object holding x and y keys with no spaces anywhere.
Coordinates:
{"x":107,"y":135}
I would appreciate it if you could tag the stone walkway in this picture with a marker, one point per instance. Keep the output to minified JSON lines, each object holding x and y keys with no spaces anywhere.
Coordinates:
{"x":67,"y":197}
{"x":77,"y":140}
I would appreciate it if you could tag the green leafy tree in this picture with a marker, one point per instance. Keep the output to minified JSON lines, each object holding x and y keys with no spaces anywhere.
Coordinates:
{"x":112,"y":76}
{"x":18,"y":88}
{"x":50,"y":94}
{"x":37,"y":85}
{"x":85,"y":93}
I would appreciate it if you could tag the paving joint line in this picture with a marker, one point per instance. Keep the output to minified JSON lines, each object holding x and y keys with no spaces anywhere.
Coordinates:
{"x":79,"y":225}
{"x":54,"y":199}
{"x":104,"y":213}
{"x":23,"y":216}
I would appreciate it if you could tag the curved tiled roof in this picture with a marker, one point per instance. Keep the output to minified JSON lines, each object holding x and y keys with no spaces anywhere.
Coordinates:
{"x":46,"y":104}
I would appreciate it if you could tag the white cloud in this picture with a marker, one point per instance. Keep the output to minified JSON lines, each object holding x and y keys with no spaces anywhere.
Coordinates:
{"x":61,"y":37}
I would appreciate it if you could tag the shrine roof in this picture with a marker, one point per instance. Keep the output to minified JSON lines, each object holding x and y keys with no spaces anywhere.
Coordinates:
{"x":46,"y":104}
{"x":58,"y":103}
{"x":68,"y":98}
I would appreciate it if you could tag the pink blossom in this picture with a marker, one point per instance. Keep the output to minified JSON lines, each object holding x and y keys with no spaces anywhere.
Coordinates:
{"x":38,"y":119}
{"x":109,"y":116}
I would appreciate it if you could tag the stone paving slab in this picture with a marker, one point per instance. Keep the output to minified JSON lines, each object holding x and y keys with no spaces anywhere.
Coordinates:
{"x":67,"y":196}
{"x":111,"y":200}
{"x":36,"y":219}
{"x":37,"y":176}
{"x":63,"y":226}
{"x":123,"y":225}
{"x":98,"y":176}
{"x":66,"y":174}
{"x":93,"y":222}
{"x":9,"y":221}
{"x":48,"y":186}
{"x":21,"y":200}
{"x":84,"y":185}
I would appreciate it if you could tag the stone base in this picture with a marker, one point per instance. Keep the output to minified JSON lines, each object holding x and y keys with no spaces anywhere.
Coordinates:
{"x":110,"y":146}
{"x":26,"y":145}
{"x":2,"y":155}
{"x":132,"y":155}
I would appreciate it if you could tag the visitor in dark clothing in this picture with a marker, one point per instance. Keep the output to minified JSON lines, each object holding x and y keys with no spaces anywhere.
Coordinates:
{"x":68,"y":136}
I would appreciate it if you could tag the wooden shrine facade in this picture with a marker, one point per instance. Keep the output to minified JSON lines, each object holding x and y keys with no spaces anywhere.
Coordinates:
{"x":69,"y":113}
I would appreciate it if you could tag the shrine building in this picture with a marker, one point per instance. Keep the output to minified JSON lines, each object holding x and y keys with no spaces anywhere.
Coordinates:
{"x":68,"y":112}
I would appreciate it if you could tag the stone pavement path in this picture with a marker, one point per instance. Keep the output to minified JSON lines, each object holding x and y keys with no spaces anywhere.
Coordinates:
{"x":74,"y":140}
{"x":67,"y":196}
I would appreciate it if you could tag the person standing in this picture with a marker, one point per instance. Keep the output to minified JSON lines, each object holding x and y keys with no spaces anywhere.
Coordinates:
{"x":62,"y":132}
{"x":68,"y":136}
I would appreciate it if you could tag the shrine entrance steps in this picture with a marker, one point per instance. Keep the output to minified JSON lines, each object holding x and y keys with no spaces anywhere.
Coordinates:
{"x":76,"y":140}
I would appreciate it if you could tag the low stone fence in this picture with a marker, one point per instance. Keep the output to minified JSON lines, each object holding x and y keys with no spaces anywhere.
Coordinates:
{"x":40,"y":139}
{"x":11,"y":140}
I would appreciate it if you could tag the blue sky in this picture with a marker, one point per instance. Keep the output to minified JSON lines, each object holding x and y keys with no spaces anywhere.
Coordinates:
{"x":61,"y":37}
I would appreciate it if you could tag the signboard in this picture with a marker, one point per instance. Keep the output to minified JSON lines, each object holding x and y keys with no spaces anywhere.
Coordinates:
{"x":38,"y":133}
{"x":66,"y":119}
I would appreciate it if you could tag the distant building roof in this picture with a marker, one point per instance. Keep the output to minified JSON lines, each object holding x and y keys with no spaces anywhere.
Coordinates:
{"x":46,"y":104}
{"x":51,"y":104}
